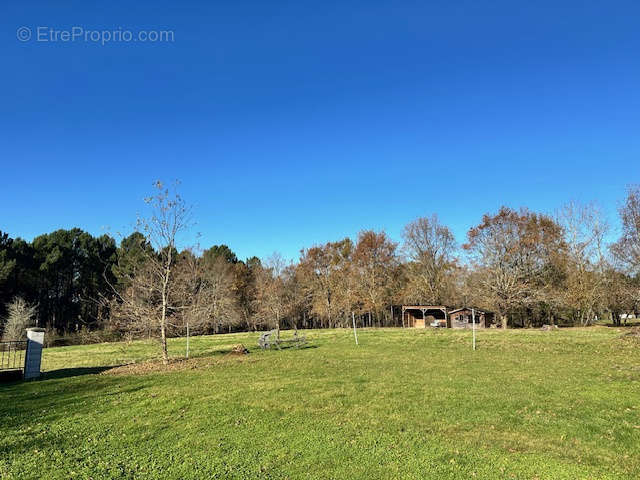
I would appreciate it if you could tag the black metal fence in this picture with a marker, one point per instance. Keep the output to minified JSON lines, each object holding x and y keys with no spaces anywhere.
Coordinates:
{"x":12,"y":354}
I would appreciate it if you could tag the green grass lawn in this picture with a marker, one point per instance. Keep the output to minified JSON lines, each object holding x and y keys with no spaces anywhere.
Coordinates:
{"x":403,"y":404}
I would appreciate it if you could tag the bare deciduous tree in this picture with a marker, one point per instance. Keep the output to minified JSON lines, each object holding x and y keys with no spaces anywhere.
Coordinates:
{"x":627,"y":248}
{"x":494,"y":245}
{"x":430,"y":248}
{"x":620,"y":295}
{"x":190,"y":294}
{"x":218,"y":292}
{"x":626,"y":252}
{"x":270,"y":301}
{"x":20,"y":315}
{"x":148,"y":300}
{"x":204,"y":299}
{"x":584,"y":229}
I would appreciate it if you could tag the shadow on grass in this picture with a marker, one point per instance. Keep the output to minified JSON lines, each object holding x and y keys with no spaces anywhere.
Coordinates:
{"x":285,"y":346}
{"x":12,"y":377}
{"x":75,"y":372}
{"x":59,"y":392}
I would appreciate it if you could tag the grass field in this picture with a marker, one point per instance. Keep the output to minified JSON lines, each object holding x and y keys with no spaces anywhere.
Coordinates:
{"x":403,"y":404}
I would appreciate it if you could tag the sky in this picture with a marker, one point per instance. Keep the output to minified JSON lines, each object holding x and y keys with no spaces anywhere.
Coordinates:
{"x":290,"y":124}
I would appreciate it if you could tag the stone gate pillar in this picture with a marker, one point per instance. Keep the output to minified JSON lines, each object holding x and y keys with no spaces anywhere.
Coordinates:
{"x":33,"y":357}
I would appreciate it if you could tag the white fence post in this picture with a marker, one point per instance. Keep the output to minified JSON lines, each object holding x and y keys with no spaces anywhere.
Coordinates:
{"x":473,"y":319}
{"x":355,"y":333}
{"x":33,"y":357}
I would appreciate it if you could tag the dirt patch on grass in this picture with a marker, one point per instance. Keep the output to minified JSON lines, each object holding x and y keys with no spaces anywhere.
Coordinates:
{"x":238,"y":354}
{"x":632,"y":334}
{"x":239,"y":350}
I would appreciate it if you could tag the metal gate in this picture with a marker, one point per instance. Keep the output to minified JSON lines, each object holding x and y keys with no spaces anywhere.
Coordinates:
{"x":12,"y":355}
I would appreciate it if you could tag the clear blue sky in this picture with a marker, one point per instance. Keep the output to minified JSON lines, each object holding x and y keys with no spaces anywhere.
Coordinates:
{"x":294,"y":123}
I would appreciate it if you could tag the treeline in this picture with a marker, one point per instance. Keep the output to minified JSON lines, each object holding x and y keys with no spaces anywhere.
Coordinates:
{"x":529,"y":268}
{"x":65,"y":273}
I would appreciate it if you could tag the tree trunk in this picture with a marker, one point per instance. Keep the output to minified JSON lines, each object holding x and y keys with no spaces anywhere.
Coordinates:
{"x":163,"y":333}
{"x":503,"y":319}
{"x":163,"y":319}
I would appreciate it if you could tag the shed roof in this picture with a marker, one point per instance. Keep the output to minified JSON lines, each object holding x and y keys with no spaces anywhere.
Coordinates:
{"x":467,"y":308}
{"x":425,"y":307}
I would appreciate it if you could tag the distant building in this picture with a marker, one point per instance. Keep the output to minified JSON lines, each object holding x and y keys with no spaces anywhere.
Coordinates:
{"x":464,"y":317}
{"x":423,"y":316}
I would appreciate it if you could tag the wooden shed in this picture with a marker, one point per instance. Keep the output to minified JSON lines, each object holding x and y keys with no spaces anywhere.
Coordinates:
{"x":463,"y":318}
{"x":422,"y":316}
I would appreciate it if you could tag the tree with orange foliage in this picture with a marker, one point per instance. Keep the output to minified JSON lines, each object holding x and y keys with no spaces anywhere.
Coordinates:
{"x":513,"y":251}
{"x":375,"y":261}
{"x":324,"y":270}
